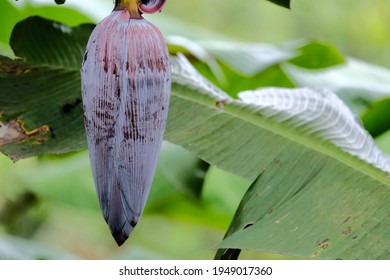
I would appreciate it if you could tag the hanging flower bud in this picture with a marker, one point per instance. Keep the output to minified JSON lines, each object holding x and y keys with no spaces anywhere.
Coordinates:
{"x":126,"y":86}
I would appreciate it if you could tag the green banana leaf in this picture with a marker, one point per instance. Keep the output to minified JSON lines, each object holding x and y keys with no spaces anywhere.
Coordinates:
{"x":314,"y":194}
{"x":310,"y":198}
{"x":357,"y":82}
{"x":376,"y":118}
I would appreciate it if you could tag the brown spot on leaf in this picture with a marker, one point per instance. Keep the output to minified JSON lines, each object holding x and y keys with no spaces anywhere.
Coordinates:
{"x":14,"y":67}
{"x":324,"y":244}
{"x":347,"y":231}
{"x":219,"y":104}
{"x":13,"y":131}
{"x":40,"y":141}
{"x":278,"y":162}
{"x":347,"y":219}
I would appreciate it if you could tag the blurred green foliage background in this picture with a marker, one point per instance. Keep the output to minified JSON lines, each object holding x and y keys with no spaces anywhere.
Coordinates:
{"x":48,"y":206}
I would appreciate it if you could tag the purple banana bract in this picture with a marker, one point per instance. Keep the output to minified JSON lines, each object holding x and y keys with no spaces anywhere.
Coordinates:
{"x":126,"y":83}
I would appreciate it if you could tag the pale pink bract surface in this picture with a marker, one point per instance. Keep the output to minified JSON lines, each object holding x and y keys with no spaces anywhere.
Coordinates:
{"x":126,"y":88}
